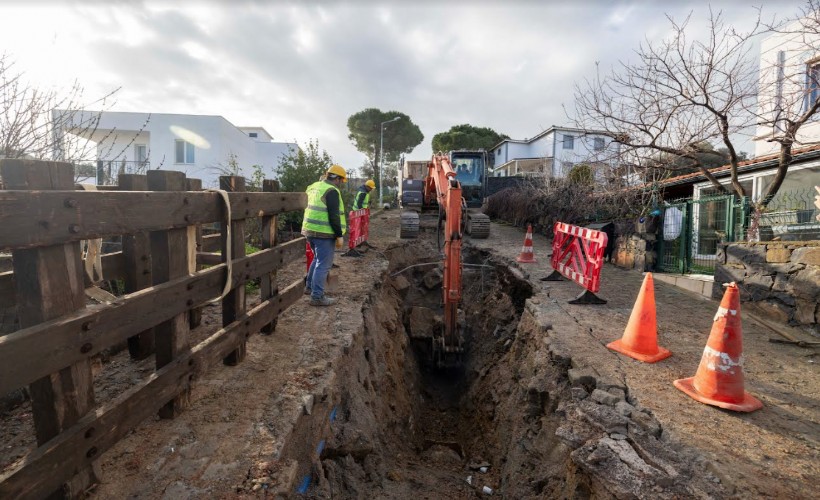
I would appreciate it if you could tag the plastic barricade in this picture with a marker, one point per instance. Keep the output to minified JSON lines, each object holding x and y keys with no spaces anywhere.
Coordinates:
{"x":578,"y":255}
{"x":358,"y":228}
{"x":308,"y":256}
{"x":358,"y":224}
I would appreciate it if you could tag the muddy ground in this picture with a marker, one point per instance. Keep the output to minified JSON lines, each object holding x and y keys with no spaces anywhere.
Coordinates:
{"x":342,"y":401}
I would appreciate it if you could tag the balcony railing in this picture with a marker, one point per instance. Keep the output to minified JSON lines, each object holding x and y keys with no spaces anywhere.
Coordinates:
{"x":109,"y":170}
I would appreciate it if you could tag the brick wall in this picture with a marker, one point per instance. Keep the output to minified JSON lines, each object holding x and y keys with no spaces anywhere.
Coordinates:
{"x":782,"y":278}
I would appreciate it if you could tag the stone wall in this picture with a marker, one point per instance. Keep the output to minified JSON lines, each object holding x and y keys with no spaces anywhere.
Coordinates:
{"x":782,"y":278}
{"x":635,"y":245}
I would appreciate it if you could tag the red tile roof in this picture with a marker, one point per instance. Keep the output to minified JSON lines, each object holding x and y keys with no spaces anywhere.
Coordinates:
{"x":725,"y":168}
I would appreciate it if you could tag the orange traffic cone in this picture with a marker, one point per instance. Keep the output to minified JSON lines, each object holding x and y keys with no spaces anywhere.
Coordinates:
{"x":719,"y":379}
{"x":527,"y":256}
{"x":640,"y":339}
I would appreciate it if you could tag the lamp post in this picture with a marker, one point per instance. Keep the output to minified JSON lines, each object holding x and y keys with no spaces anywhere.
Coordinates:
{"x":381,"y":160}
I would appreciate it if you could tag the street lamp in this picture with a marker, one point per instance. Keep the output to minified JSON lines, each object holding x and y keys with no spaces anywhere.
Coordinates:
{"x":381,"y":160}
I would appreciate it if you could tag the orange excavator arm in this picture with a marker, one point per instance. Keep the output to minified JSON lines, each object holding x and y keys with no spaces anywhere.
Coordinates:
{"x":442,"y":183}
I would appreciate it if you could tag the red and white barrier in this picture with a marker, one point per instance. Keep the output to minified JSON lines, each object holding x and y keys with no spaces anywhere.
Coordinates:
{"x":358,"y":225}
{"x":578,"y":254}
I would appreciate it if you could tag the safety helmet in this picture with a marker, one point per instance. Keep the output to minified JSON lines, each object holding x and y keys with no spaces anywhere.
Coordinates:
{"x":337,"y":170}
{"x":370,"y":184}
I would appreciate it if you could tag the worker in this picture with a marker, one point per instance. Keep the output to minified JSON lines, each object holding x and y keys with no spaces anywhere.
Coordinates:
{"x":362,"y":198}
{"x":323,"y":225}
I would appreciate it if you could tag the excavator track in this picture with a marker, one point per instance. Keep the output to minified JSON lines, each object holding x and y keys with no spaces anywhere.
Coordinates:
{"x":409,"y":227}
{"x":478,"y":226}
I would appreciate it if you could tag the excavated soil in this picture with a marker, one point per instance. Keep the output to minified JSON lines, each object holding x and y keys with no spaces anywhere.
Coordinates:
{"x":343,"y":402}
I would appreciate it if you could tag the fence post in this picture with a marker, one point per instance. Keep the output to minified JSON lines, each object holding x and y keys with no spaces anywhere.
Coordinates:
{"x":194,"y":246}
{"x":169,"y":260}
{"x":136,"y":251}
{"x":233,"y":305}
{"x":267,"y":287}
{"x":53,"y":286}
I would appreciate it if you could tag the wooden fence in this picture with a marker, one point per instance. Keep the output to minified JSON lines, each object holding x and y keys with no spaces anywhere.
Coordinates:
{"x":45,"y":224}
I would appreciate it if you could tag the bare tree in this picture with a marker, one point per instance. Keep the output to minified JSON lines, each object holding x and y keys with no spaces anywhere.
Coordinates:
{"x":789,"y":94}
{"x":676,"y":96}
{"x":50,"y":124}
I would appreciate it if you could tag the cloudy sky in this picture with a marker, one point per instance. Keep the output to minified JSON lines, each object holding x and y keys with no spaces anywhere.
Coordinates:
{"x":299,"y":69}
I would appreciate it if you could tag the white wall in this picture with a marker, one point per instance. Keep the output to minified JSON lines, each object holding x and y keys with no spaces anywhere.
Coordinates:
{"x":214,"y":139}
{"x":551,"y":145}
{"x":783,"y":87}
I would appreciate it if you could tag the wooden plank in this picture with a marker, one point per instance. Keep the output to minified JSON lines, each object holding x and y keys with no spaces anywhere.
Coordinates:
{"x":208,"y":259}
{"x":38,"y":218}
{"x":39,"y":472}
{"x":5,"y":263}
{"x":136,"y":258}
{"x":169,"y":260}
{"x":50,"y":284}
{"x":113,"y":266}
{"x":233,"y":304}
{"x":79,"y":336}
{"x":7,"y":295}
{"x":211,"y":242}
{"x":195,"y":232}
{"x":267,"y":283}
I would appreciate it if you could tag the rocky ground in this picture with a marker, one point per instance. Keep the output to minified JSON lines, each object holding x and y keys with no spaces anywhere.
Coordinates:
{"x":341,"y":401}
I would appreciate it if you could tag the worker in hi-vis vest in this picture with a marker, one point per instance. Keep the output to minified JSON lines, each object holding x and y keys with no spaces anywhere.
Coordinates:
{"x":362,"y":198}
{"x":324,"y":226}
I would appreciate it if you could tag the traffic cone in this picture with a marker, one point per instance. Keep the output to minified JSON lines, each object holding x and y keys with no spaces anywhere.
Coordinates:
{"x":640,"y":339}
{"x":527,"y":256}
{"x":719,"y":379}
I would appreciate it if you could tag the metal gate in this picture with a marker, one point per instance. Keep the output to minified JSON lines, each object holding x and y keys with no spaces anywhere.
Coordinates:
{"x":693,"y":229}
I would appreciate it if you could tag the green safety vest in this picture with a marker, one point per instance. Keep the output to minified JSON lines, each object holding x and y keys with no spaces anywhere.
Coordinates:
{"x":316,"y":219}
{"x":365,"y":201}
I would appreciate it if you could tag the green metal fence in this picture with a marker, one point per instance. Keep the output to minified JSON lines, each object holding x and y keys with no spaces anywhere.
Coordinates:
{"x":693,"y":229}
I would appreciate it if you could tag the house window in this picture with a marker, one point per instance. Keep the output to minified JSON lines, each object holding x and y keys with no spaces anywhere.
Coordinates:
{"x":252,"y":134}
{"x":140,"y":154}
{"x":184,"y":152}
{"x":598,"y":143}
{"x":498,"y":152}
{"x":569,"y":142}
{"x":812,"y":84}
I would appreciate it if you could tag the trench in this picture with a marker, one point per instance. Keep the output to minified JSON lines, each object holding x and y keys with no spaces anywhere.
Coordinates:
{"x":520,"y":418}
{"x":405,"y":429}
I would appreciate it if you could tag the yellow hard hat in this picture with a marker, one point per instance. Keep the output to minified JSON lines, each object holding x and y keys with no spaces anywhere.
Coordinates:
{"x":339,"y":171}
{"x":370,"y":184}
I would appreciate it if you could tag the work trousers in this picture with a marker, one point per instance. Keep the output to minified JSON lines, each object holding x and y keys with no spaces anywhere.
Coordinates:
{"x":323,"y":250}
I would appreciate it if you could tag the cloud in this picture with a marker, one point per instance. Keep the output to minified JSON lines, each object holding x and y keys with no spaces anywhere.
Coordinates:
{"x":300,"y":69}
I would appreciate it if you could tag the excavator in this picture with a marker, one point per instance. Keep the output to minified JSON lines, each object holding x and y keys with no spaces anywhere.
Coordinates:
{"x":423,"y":195}
{"x":452,"y":191}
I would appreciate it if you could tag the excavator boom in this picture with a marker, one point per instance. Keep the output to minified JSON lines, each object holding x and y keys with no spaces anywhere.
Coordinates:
{"x":447,"y":190}
{"x":451,"y":190}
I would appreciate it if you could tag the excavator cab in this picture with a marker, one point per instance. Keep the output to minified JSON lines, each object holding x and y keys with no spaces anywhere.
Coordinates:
{"x":470,"y":168}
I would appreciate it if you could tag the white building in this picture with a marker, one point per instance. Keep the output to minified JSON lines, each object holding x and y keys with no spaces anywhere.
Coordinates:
{"x":554,"y":152}
{"x":202,"y":146}
{"x":789,"y":83}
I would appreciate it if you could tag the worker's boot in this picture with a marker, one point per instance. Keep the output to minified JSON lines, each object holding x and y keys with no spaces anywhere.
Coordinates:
{"x":324,"y":301}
